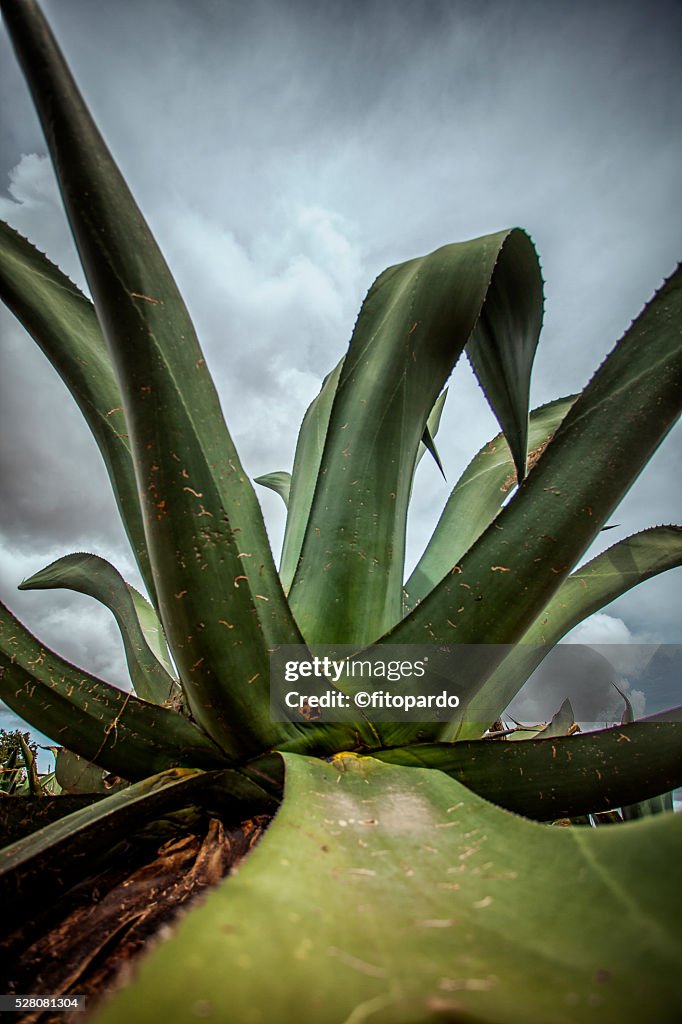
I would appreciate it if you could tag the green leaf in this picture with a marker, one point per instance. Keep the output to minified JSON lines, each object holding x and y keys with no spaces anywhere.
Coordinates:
{"x":477,"y":498}
{"x":606,"y":577}
{"x":113,"y":729}
{"x":63,"y":323}
{"x":412,"y":328}
{"x":307,"y":460}
{"x":94,"y":576}
{"x":562,"y":724}
{"x":76,"y":775}
{"x":219,"y":595}
{"x":392,"y":895}
{"x":428,"y":442}
{"x":279,"y":482}
{"x":502,"y":348}
{"x":31,"y":768}
{"x":593,"y":586}
{"x":152,"y":630}
{"x":31,"y":867}
{"x":49,"y":784}
{"x":504,"y":581}
{"x":10,"y":773}
{"x":523,"y":732}
{"x":628,"y":713}
{"x":562,"y":776}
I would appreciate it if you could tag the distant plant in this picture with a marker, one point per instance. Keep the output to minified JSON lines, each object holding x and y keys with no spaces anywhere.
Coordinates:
{"x":387,"y":888}
{"x":19,"y":775}
{"x":11,"y":742}
{"x":13,"y":760}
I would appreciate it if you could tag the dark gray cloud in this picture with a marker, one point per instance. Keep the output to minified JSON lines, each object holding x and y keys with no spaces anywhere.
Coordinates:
{"x":597,"y":678}
{"x":284,"y":153}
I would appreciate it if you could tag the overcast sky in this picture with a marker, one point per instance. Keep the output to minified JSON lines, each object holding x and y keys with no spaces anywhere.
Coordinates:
{"x":284,"y":153}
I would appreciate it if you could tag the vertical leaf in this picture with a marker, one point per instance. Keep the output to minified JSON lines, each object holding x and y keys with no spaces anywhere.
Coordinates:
{"x":220,"y":598}
{"x":307,"y":460}
{"x":413,"y":326}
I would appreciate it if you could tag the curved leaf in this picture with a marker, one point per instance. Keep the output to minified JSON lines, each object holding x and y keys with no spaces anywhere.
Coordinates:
{"x":476,"y":499}
{"x":219,"y":595}
{"x":409,"y":898}
{"x":607,"y":576}
{"x":501,"y":351}
{"x":113,"y":729}
{"x":629,"y":712}
{"x":63,"y":323}
{"x":279,"y":482}
{"x":412,"y":328}
{"x":513,"y":570}
{"x":593,"y":586}
{"x":94,"y":576}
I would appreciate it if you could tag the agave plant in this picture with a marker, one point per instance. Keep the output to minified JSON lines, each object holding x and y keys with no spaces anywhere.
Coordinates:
{"x":393,"y":883}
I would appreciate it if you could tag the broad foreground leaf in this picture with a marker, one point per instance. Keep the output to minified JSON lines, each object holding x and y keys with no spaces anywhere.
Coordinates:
{"x":103,"y":724}
{"x":413,"y":326}
{"x":562,"y":776}
{"x":397,"y":896}
{"x":63,"y":323}
{"x":219,"y":594}
{"x":94,"y":576}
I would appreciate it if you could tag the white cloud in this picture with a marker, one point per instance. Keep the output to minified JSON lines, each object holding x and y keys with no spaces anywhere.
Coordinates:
{"x":600,"y":628}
